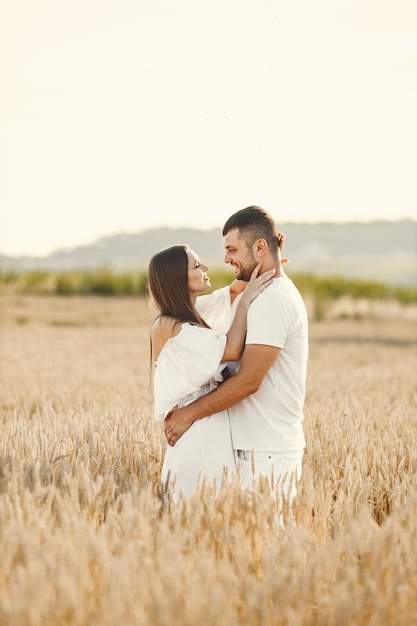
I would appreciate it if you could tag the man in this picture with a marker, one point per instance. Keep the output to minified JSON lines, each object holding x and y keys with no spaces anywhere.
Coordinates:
{"x":265,"y":397}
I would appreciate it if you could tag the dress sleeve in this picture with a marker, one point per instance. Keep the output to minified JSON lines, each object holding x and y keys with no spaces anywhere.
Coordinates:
{"x":188,"y":361}
{"x":215,"y":309}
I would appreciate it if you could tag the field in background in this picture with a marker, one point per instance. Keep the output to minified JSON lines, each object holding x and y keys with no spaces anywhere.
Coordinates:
{"x":85,"y":538}
{"x":322,"y":291}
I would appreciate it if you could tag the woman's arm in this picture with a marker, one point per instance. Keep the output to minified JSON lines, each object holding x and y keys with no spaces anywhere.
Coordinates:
{"x":237,"y":332}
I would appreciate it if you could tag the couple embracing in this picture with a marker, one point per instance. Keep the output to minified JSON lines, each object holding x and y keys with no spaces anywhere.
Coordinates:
{"x":230,"y":367}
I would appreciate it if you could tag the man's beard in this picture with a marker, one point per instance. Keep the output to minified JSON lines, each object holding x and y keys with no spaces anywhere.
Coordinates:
{"x":246,"y":270}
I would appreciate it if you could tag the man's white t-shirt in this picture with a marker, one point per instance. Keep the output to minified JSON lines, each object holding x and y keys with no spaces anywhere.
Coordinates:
{"x":270,"y":420}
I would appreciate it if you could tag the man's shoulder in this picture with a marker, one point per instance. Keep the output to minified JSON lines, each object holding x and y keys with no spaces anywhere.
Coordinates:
{"x":280,"y":287}
{"x":282,"y":295}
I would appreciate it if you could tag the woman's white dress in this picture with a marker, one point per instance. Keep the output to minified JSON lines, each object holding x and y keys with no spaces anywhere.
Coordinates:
{"x":188,"y":367}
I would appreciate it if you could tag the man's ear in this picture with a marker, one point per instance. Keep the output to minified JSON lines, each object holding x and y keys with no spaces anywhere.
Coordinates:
{"x":260,"y":248}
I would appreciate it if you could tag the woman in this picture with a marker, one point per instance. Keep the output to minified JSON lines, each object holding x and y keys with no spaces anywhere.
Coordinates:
{"x":189,"y":360}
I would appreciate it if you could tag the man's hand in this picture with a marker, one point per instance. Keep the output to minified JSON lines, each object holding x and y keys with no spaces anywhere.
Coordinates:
{"x":176,"y":423}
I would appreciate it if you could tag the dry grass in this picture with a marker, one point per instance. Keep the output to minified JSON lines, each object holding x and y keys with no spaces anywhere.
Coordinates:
{"x":85,"y":539}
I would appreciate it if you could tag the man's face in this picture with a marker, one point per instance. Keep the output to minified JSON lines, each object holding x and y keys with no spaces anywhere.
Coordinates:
{"x":240,"y":257}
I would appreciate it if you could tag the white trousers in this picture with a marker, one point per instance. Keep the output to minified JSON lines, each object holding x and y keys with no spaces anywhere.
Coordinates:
{"x":282,"y":469}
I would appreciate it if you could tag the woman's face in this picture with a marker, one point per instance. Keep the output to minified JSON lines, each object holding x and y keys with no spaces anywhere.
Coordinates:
{"x":198,"y":281}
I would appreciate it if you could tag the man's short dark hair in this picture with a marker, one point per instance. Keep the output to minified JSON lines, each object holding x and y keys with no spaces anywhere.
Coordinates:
{"x":254,"y":223}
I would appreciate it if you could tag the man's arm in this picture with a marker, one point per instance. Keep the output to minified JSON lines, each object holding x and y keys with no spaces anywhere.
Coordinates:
{"x":256,"y":361}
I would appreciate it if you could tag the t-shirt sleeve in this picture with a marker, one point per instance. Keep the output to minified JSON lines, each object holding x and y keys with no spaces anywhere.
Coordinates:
{"x":269,"y":318}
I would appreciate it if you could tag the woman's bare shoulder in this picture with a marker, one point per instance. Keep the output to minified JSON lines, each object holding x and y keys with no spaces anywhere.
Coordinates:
{"x":162,"y":329}
{"x":164,"y":325}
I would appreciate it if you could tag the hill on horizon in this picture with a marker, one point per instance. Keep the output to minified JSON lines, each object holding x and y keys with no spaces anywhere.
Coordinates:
{"x":382,"y":251}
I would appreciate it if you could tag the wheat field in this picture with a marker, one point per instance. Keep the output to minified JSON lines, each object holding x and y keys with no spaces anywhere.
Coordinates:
{"x":88,"y":536}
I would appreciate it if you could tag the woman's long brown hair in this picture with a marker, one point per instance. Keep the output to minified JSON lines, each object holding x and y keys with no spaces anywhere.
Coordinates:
{"x":168,"y":286}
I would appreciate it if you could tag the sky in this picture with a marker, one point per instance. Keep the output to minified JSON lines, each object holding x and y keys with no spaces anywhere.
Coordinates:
{"x":118,"y":116}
